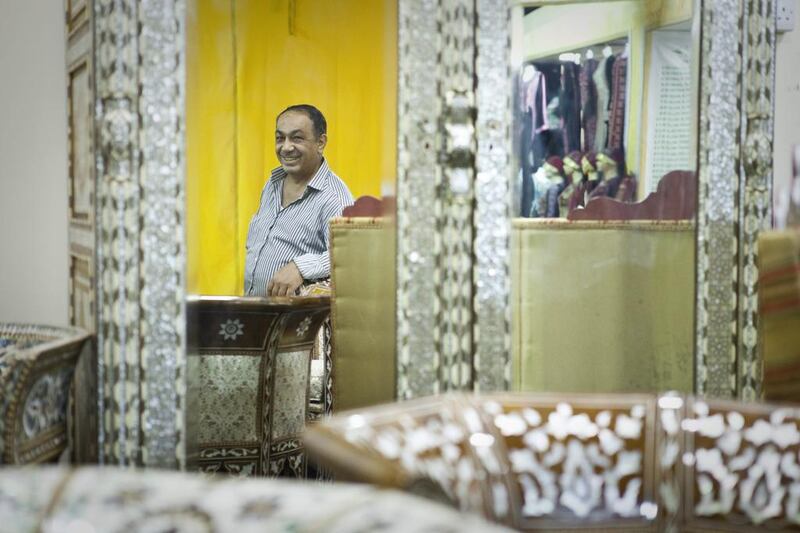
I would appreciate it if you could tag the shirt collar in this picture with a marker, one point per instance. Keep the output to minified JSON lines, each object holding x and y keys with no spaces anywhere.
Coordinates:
{"x":318,"y":182}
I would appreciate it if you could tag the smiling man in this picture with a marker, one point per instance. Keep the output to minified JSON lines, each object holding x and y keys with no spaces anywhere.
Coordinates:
{"x":287,"y":242}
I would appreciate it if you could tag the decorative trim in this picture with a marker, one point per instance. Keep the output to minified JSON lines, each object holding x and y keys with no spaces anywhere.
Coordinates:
{"x":364,"y":206}
{"x":718,"y":209}
{"x":756,"y":193}
{"x":735,"y":182}
{"x":117,"y":134}
{"x":419,"y":181}
{"x":456,"y":195}
{"x":267,"y":388}
{"x":140,"y":252}
{"x":492,"y":329}
{"x":162,"y":248}
{"x":675,"y":198}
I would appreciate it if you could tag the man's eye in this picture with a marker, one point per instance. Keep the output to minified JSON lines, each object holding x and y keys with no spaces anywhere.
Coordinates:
{"x":297,"y":139}
{"x":278,"y":139}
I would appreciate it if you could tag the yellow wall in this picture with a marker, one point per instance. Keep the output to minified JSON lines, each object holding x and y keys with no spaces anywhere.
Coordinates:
{"x":553,"y":30}
{"x":244,"y":67}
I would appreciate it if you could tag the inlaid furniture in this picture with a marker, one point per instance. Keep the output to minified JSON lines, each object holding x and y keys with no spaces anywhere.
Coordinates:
{"x":588,"y":462}
{"x":248,"y":382}
{"x":38,"y":402}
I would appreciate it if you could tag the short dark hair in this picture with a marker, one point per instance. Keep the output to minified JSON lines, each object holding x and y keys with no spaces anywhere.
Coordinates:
{"x":317,"y":119}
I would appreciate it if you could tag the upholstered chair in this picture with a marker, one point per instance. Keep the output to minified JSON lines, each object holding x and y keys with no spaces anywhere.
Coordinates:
{"x":361,"y":369}
{"x":37,"y":366}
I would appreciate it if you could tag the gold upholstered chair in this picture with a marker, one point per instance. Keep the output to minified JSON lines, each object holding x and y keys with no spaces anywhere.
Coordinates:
{"x":779,"y":312}
{"x":590,"y":462}
{"x":37,"y":367}
{"x":600,"y":295}
{"x":361,"y":368}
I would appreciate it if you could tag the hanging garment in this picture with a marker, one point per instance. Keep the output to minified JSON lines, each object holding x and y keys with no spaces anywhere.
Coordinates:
{"x":570,"y":102}
{"x":541,"y":185}
{"x":553,"y":193}
{"x":607,"y":188}
{"x":616,"y":116}
{"x":578,"y":197}
{"x":525,"y":160}
{"x":603,"y":96}
{"x":588,"y":103}
{"x":627,"y":190}
{"x":530,"y":108}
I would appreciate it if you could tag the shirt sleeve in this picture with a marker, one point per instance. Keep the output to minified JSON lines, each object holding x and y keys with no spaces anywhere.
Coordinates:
{"x":318,"y":266}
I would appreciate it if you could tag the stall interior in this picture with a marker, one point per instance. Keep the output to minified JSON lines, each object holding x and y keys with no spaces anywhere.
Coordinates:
{"x":571,"y":130}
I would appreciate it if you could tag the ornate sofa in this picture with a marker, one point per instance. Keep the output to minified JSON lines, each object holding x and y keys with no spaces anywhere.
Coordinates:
{"x":111,"y":499}
{"x":592,"y":462}
{"x":37,"y":366}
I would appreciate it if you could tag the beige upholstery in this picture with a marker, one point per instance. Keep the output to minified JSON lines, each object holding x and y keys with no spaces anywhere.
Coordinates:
{"x":602,"y":307}
{"x":779,"y":312}
{"x":363,"y":312}
{"x":37,"y":368}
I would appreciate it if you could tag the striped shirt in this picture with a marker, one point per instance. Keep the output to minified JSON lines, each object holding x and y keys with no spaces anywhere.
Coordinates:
{"x":297,"y":232}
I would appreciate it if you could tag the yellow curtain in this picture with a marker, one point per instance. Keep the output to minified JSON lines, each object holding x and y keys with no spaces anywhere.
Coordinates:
{"x":247,"y":60}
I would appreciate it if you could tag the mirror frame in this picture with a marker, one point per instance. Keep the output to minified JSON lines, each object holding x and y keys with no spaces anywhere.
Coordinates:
{"x":734,"y":177}
{"x":454,"y":140}
{"x":140,"y":248}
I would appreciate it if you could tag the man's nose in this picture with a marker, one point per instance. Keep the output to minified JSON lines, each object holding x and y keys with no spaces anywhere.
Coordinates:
{"x":286,"y":146}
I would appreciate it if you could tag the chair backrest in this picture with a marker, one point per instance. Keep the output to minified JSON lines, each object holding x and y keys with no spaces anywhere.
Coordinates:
{"x":37,"y":366}
{"x":601,"y":295}
{"x":594,"y":462}
{"x":362,"y":364}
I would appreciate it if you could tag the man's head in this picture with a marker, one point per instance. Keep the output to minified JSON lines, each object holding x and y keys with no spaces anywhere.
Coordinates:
{"x":300,"y":138}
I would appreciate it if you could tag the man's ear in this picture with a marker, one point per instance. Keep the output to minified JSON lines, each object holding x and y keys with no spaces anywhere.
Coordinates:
{"x":321,"y":142}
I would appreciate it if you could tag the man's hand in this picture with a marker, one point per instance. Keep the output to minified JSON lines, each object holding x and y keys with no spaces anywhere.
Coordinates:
{"x":286,"y":281}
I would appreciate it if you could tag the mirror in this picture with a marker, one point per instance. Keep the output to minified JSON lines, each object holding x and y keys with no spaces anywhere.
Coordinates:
{"x":138,"y":66}
{"x":603,"y":249}
{"x":245,"y":63}
{"x":263,"y":188}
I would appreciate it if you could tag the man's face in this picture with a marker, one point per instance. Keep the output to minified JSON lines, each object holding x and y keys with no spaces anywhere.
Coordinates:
{"x":298,"y":149}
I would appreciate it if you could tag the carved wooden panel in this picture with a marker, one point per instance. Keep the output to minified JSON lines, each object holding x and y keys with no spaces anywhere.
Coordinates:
{"x":81,"y":177}
{"x":81,"y":203}
{"x":81,"y":292}
{"x":78,"y":14}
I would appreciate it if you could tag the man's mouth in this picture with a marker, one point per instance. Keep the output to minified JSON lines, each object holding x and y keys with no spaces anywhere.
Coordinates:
{"x":287,"y":159}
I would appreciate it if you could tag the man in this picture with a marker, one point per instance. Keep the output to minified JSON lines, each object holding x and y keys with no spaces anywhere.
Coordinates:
{"x":288,"y":237}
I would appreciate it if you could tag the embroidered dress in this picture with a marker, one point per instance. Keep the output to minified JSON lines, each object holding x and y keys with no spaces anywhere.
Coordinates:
{"x":616,"y":117}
